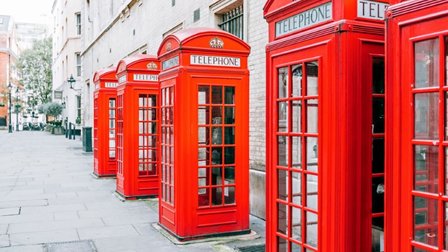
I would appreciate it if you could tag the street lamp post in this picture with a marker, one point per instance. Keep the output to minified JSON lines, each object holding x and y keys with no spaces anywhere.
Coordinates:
{"x":9,"y":109}
{"x":17,"y":107}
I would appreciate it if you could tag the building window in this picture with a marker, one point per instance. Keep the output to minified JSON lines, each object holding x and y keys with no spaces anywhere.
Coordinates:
{"x":78,"y":23}
{"x":232,"y":22}
{"x":196,"y":15}
{"x":78,"y":64}
{"x":173,"y":2}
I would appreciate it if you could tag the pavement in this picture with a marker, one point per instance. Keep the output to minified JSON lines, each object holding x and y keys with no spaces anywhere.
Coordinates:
{"x":49,"y":201}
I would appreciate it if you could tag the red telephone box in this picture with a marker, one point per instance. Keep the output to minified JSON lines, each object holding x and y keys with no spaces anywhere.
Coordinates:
{"x":105,"y":95}
{"x":138,"y":126}
{"x":417,"y":140}
{"x":205,"y":163}
{"x":325,"y":125}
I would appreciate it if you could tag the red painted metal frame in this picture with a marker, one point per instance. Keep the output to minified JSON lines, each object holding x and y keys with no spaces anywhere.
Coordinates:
{"x":133,"y":75}
{"x":104,"y":164}
{"x":407,"y":23}
{"x":343,"y":46}
{"x":180,"y":212}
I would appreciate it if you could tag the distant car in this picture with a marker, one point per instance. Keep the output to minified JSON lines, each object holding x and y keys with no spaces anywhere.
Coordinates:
{"x":26,"y":126}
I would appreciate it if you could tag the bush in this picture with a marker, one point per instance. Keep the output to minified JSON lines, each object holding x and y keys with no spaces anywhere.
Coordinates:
{"x":52,"y":109}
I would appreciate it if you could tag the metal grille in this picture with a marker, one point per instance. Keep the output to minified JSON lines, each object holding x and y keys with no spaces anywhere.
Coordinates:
{"x":232,"y":22}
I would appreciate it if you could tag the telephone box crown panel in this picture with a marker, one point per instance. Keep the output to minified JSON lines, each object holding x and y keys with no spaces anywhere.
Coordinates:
{"x":105,"y":78}
{"x":202,"y":39}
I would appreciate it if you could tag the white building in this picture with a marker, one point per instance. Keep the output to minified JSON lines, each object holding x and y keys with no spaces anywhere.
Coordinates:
{"x":113,"y":30}
{"x":67,"y":33}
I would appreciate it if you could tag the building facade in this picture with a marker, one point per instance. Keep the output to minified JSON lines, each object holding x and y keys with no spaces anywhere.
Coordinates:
{"x":113,"y":30}
{"x":67,"y":32}
{"x":9,"y":51}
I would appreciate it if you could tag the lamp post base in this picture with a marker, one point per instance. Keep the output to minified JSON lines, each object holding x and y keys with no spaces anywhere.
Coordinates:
{"x":10,"y":128}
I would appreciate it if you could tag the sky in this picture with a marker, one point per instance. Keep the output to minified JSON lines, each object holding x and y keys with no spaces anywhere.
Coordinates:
{"x":30,"y":11}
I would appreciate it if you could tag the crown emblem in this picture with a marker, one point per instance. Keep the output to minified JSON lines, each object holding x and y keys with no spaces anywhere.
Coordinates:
{"x":216,"y":43}
{"x":151,"y":66}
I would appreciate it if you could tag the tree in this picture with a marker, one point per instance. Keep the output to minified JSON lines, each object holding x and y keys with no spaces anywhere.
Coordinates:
{"x":34,"y":67}
{"x":53,"y":109}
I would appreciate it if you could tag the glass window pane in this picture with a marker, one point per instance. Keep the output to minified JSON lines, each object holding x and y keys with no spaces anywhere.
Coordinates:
{"x":203,"y":196}
{"x":217,"y":94}
{"x":216,"y":155}
{"x":282,"y":151}
{"x":425,"y":220}
{"x":202,"y":172}
{"x":282,"y":184}
{"x":217,"y":176}
{"x":427,"y":63}
{"x":446,"y":172}
{"x":217,"y":196}
{"x":377,"y":195}
{"x":229,"y":95}
{"x":229,"y":135}
{"x":282,"y":116}
{"x":446,"y":224}
{"x":296,"y":116}
{"x":311,"y":192}
{"x":296,"y":80}
{"x":203,"y":95}
{"x":311,"y":229}
{"x":378,"y":155}
{"x":203,"y":115}
{"x":202,"y":135}
{"x":446,"y":60}
{"x":230,"y":115}
{"x":282,"y":217}
{"x":296,"y":188}
{"x":229,"y":195}
{"x":229,"y":157}
{"x":378,"y":115}
{"x":296,"y":152}
{"x":426,"y":116}
{"x":312,"y":116}
{"x":229,"y":175}
{"x":217,"y":115}
{"x":426,"y":168}
{"x":377,"y":235}
{"x":311,"y":154}
{"x":216,"y":135}
{"x":283,"y":82}
{"x":446,"y":114}
{"x":378,"y":75}
{"x":202,"y":156}
{"x":282,"y":245}
{"x":311,"y":78}
{"x":296,"y":216}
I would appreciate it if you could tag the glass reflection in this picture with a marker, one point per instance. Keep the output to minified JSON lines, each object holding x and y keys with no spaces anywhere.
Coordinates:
{"x":311,"y":192}
{"x":312,"y":78}
{"x":378,"y":75}
{"x":311,"y":229}
{"x":426,"y":168}
{"x":426,"y":63}
{"x":282,"y":218}
{"x":425,"y":220}
{"x":282,"y":150}
{"x":312,"y":116}
{"x":296,"y":216}
{"x":282,"y":184}
{"x":282,"y":116}
{"x":426,"y":116}
{"x":283,"y":82}
{"x":296,"y":80}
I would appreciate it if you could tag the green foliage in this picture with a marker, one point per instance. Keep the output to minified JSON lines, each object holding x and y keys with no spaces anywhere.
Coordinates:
{"x":34,"y":66}
{"x":52,"y":109}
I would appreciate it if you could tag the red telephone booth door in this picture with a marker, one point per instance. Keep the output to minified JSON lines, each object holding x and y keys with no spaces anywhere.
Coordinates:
{"x":418,"y":55}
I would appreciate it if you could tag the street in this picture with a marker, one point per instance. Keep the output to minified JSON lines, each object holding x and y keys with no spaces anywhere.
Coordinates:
{"x":50,"y":202}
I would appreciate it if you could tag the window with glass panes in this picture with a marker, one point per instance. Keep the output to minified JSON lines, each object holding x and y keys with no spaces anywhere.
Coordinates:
{"x":167,"y":144}
{"x":378,"y":98}
{"x":119,"y":136}
{"x":112,"y":111}
{"x":297,"y":157}
{"x":430,"y":145}
{"x":216,"y":145}
{"x":147,"y":138}
{"x":233,"y":22}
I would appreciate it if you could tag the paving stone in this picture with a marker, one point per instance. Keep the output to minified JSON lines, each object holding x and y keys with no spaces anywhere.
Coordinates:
{"x":27,"y":227}
{"x":112,"y":231}
{"x":60,"y":216}
{"x":53,"y":208}
{"x":43,"y":237}
{"x":23,"y":203}
{"x":3,"y":228}
{"x":9,"y":211}
{"x":4,"y":241}
{"x":28,"y":248}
